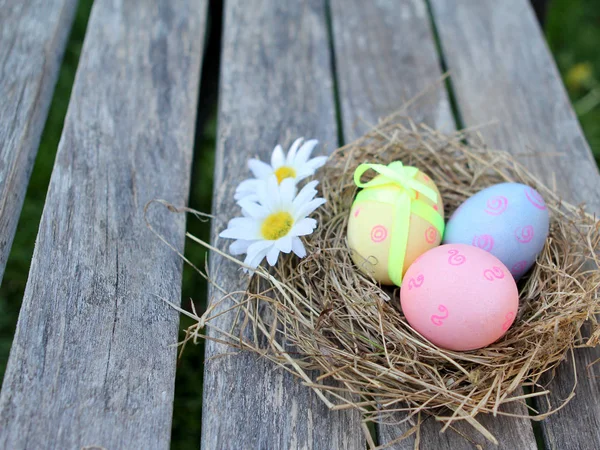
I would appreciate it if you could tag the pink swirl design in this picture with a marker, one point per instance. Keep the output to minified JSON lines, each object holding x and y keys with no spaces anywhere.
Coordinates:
{"x":518,"y":267}
{"x":484,"y":242}
{"x":455,"y":258}
{"x":535,"y":198}
{"x":416,"y":282}
{"x":495,"y":273}
{"x":524,"y":234}
{"x":436,"y":207}
{"x":496,"y":205}
{"x":438,"y":320}
{"x":357,"y":212}
{"x":509,"y":320}
{"x":379,"y":233}
{"x":430,"y":235}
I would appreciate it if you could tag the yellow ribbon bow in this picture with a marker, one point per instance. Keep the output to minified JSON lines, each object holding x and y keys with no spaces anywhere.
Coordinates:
{"x":406,"y":202}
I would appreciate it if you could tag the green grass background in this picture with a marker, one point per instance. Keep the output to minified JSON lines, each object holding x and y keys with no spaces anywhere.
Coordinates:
{"x":573,"y":32}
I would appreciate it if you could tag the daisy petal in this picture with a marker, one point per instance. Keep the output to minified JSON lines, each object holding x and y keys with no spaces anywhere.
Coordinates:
{"x":253,"y":197}
{"x":304,"y":227}
{"x":308,"y":208}
{"x":240,"y":222}
{"x":253,"y":209}
{"x":255,"y":260}
{"x":256,"y":253}
{"x":239,"y":247}
{"x":284,"y":244}
{"x":287,"y":190}
{"x":262,"y":192}
{"x":309,"y":168}
{"x":259,"y":168}
{"x":277,"y":158}
{"x":248,"y":234}
{"x":292,"y":151}
{"x":305,"y":151}
{"x":312,"y":185}
{"x":246,"y":188}
{"x":273,"y":255}
{"x":273,"y":194}
{"x":307,"y":193}
{"x":247,"y":185}
{"x":304,"y":173}
{"x":298,"y":247}
{"x":317,"y":162}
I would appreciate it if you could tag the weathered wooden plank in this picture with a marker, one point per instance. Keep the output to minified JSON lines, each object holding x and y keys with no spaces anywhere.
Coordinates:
{"x":33,"y":36}
{"x":92,"y":362}
{"x":276,"y":84}
{"x":386,"y":56}
{"x":502,"y":71}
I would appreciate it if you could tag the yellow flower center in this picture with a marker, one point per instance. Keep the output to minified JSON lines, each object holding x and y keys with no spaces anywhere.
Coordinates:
{"x":277,"y":225}
{"x":284,"y":172}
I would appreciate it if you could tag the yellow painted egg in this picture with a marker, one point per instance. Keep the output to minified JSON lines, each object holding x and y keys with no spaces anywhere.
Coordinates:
{"x":394,"y":220}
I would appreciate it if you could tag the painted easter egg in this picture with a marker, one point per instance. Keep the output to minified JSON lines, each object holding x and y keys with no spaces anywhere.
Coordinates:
{"x":509,"y":220}
{"x":459,"y":297}
{"x":393,"y":220}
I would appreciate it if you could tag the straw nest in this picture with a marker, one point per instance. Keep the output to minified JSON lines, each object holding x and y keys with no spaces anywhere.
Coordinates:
{"x":322,"y":313}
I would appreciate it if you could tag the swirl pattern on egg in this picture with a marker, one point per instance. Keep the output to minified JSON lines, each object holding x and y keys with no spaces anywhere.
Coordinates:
{"x":459,"y":297}
{"x":372,"y":226}
{"x":509,"y":220}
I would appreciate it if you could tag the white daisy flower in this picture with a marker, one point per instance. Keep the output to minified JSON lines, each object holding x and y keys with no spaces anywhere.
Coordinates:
{"x":296,"y":165}
{"x":275,"y":223}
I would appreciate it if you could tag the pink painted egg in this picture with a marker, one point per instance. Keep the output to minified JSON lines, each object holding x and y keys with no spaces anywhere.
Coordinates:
{"x":459,"y":297}
{"x":371,"y":228}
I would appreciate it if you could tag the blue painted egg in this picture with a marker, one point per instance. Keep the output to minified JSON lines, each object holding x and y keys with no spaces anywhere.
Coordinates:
{"x":509,"y":220}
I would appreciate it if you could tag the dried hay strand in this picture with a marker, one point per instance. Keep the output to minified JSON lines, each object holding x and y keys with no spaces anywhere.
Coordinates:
{"x":322,"y":313}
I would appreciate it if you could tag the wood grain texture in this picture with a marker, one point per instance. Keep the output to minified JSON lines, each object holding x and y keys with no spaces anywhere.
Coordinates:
{"x":92,"y":362}
{"x":33,"y":36}
{"x":502,"y":71}
{"x":276,"y":85}
{"x":385,"y":55}
{"x":511,"y":434}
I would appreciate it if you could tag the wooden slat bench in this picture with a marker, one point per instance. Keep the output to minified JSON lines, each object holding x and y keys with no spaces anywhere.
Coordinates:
{"x":33,"y":36}
{"x":92,"y":362}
